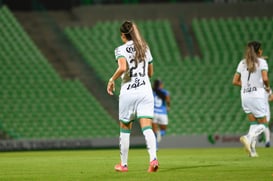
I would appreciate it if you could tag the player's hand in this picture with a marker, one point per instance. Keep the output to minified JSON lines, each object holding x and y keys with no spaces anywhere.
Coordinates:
{"x":270,"y":98}
{"x":111,"y":87}
{"x":267,"y":89}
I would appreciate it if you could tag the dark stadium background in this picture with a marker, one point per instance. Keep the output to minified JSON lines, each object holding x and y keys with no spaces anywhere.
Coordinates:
{"x":56,"y":58}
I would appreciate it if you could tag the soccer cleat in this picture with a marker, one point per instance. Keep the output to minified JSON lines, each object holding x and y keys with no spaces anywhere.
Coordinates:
{"x":253,"y":152}
{"x":120,"y":168}
{"x":245,"y":142}
{"x":267,"y":145}
{"x":153,"y":166}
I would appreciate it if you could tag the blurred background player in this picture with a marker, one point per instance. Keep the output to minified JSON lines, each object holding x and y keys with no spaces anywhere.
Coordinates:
{"x":161,"y":108}
{"x":252,"y":77}
{"x":136,"y":96}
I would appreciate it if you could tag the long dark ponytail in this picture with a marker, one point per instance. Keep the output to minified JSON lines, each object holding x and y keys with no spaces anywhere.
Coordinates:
{"x":156,"y":89}
{"x":131,"y":32}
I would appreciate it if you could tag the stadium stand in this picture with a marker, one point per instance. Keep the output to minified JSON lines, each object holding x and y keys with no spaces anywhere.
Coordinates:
{"x":35,"y":102}
{"x":203,"y":98}
{"x":38,"y":104}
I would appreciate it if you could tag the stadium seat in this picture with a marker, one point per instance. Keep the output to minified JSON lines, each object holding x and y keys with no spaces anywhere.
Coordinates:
{"x":36,"y":102}
{"x":203,"y":98}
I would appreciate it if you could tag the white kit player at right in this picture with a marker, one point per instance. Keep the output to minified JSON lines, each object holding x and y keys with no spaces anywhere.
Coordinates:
{"x":252,"y":77}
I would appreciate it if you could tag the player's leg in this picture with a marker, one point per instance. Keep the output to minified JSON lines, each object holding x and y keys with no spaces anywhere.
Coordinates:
{"x":163,"y":129}
{"x":267,"y":131}
{"x":146,"y":126}
{"x":260,"y":112}
{"x":256,"y":110}
{"x":145,"y":113}
{"x":155,"y":127}
{"x":260,"y":128}
{"x":163,"y":123}
{"x":255,"y":132}
{"x":252,"y":139}
{"x":126,"y":114}
{"x":247,"y":140}
{"x":124,"y":143}
{"x":267,"y":137}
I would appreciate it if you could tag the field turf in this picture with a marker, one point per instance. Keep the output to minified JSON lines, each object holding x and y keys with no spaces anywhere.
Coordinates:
{"x":201,"y":164}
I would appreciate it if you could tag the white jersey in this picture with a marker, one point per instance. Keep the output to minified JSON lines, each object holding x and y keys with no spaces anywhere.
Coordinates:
{"x":135,"y":79}
{"x":252,"y":83}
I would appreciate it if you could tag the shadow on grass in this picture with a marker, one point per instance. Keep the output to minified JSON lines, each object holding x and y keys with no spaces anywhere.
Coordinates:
{"x":186,"y":167}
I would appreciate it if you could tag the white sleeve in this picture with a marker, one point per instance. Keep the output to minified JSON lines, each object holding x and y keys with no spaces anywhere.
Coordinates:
{"x":263,"y":65}
{"x":240,"y":67}
{"x":149,"y":57}
{"x":118,"y":53}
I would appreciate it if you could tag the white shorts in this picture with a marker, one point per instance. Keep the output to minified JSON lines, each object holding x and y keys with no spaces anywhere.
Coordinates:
{"x":255,"y":106}
{"x":161,"y":119}
{"x":135,"y":106}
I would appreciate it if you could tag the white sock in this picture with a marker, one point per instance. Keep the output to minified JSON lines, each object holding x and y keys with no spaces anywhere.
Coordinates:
{"x":257,"y":130}
{"x":253,"y":143}
{"x":150,"y":142}
{"x":124,"y":142}
{"x":249,"y":135}
{"x":267,"y":134}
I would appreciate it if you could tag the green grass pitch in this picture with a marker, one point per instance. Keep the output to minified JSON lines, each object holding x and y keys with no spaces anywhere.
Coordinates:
{"x":201,"y":164}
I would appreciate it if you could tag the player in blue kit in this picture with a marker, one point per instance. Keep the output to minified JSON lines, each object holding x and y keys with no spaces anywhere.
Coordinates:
{"x":162,"y":104}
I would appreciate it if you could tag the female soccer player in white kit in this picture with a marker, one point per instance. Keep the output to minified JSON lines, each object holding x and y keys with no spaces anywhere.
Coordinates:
{"x":136,"y":97}
{"x":252,"y":76}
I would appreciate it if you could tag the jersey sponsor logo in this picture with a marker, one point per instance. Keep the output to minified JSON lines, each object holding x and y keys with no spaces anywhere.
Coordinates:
{"x":130,"y":49}
{"x":249,"y":89}
{"x":136,"y":84}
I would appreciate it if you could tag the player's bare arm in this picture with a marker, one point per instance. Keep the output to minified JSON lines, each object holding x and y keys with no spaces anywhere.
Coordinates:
{"x":236,"y":79}
{"x":266,"y":80}
{"x":122,"y":66}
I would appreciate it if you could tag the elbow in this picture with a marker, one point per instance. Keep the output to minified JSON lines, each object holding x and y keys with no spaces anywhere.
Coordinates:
{"x":122,"y":69}
{"x":236,"y":83}
{"x":265,"y":80}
